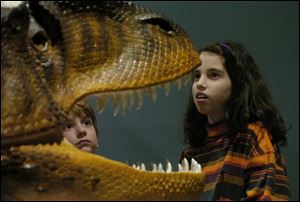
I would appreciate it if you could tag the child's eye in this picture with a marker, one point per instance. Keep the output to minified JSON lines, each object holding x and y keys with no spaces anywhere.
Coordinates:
{"x":87,"y":121}
{"x":214,"y":75}
{"x":68,"y":126}
{"x":195,"y":75}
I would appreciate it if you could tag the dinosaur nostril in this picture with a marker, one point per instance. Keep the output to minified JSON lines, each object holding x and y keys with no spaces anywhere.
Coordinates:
{"x":162,"y":23}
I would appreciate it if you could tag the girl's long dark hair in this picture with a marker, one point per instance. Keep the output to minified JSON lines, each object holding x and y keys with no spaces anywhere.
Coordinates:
{"x":250,"y":99}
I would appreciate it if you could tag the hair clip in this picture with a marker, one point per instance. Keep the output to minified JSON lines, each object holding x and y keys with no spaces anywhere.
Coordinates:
{"x":225,"y":45}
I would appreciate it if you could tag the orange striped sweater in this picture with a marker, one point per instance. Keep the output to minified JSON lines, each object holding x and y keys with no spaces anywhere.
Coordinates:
{"x":245,"y":166}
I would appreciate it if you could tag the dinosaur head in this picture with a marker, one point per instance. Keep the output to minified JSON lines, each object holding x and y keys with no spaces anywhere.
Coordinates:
{"x":56,"y":53}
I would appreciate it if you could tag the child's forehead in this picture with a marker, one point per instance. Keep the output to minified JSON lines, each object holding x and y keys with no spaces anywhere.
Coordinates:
{"x":77,"y":114}
{"x":210,"y":61}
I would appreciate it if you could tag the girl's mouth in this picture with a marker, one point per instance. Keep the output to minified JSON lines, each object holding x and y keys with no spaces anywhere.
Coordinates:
{"x":201,"y":97}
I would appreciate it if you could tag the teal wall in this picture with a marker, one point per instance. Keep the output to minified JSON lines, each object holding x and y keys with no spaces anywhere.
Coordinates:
{"x":269,"y":30}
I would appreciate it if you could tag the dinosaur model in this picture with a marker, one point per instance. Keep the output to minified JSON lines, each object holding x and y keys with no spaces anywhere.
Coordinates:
{"x":58,"y":52}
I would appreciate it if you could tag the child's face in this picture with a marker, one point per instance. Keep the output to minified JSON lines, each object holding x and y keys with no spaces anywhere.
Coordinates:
{"x":80,"y":132}
{"x":211,"y":87}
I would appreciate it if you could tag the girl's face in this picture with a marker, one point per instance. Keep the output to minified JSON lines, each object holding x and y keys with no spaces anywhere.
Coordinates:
{"x":211,"y":87}
{"x":80,"y":132}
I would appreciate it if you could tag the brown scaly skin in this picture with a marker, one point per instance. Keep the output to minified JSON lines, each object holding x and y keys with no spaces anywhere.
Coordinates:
{"x":54,"y":54}
{"x":62,"y":172}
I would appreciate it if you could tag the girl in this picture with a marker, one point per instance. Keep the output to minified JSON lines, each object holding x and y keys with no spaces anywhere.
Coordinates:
{"x":81,"y":128}
{"x":233,"y":129}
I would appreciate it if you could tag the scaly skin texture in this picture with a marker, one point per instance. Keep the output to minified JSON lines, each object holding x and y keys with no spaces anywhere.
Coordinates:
{"x":66,"y":173}
{"x":54,"y":54}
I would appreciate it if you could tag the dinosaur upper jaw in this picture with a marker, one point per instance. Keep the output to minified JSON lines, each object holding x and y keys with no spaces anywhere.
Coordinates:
{"x":51,"y":58}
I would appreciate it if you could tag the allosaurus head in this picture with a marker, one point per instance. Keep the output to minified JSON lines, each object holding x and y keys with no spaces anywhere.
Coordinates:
{"x":58,"y":52}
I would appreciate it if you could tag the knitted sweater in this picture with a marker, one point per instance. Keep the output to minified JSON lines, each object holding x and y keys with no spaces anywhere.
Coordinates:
{"x":242,"y":166}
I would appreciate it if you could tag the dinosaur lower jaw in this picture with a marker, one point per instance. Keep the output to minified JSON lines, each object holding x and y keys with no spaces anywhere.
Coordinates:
{"x":63,"y":172}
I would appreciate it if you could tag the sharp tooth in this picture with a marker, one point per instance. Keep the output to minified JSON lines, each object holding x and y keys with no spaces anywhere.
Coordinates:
{"x":180,"y":168}
{"x":154,"y":167}
{"x":131,"y":99}
{"x":116,"y":99}
{"x":169,"y":167}
{"x":139,"y":99}
{"x":138,"y":167}
{"x":101,"y":101}
{"x":193,"y":165}
{"x":160,"y":168}
{"x":134,"y":166}
{"x":199,"y":169}
{"x":167,"y":88}
{"x":124,"y":102}
{"x":153,"y":93}
{"x":143,"y":167}
{"x":185,"y":165}
{"x":186,"y":79}
{"x":179,"y":83}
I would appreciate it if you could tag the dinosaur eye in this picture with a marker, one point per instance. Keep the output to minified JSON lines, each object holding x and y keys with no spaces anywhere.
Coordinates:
{"x":40,"y":41}
{"x":162,"y":23}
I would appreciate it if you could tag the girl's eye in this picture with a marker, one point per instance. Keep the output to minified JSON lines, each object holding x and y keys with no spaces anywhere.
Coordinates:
{"x":214,"y":75}
{"x":87,"y":121}
{"x":195,"y":75}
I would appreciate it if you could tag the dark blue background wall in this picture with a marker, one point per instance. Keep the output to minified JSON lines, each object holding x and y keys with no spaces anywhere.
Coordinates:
{"x":269,"y":30}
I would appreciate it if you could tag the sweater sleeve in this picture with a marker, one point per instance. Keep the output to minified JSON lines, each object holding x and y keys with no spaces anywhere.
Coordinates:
{"x":265,"y":172}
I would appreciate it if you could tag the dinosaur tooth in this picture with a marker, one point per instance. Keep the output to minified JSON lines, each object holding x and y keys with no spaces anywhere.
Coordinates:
{"x":186,"y":79}
{"x":153,"y":92}
{"x":143,"y":167}
{"x":124,"y":99}
{"x":131,"y":99}
{"x":139,"y":95}
{"x":160,"y":168}
{"x":134,"y":166}
{"x":116,"y":98}
{"x":169,"y":168}
{"x":180,"y":169}
{"x":194,"y":165}
{"x":179,"y":83}
{"x":167,"y":88}
{"x":185,"y":165}
{"x":101,"y":102}
{"x":199,"y":169}
{"x":154,"y":167}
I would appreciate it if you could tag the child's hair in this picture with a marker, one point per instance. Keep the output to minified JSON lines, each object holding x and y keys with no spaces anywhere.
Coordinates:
{"x":82,"y":108}
{"x":250,"y":100}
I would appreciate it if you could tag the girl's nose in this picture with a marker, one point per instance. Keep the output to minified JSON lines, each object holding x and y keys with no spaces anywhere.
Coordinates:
{"x":201,"y":84}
